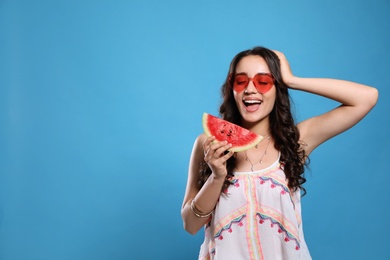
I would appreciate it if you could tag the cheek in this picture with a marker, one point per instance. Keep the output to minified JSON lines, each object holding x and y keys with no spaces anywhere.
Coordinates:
{"x":271,"y":97}
{"x":237,"y":97}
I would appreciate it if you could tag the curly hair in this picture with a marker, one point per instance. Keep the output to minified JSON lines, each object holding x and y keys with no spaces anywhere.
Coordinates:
{"x":283,"y":128}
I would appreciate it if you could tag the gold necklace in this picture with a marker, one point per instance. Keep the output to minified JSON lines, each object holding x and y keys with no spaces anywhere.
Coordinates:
{"x":261,"y":158}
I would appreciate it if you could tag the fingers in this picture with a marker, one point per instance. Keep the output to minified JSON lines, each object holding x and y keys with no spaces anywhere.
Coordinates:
{"x":280,"y":55}
{"x":216,"y":154}
{"x":285,"y":68}
{"x":277,"y":52}
{"x":216,"y":151}
{"x":206,"y":144}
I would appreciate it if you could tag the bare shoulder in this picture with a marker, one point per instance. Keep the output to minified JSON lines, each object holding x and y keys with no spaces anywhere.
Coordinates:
{"x":196,"y":160}
{"x":201,"y":138}
{"x":198,"y":144}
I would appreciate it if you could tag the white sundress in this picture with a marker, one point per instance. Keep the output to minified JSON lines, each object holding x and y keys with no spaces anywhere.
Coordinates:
{"x":258,"y":218}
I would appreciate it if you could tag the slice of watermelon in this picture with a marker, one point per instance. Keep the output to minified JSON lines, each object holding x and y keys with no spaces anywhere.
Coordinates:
{"x":241,"y":139}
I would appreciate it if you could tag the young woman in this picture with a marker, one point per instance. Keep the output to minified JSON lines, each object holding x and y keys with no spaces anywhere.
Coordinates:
{"x":249,"y":202}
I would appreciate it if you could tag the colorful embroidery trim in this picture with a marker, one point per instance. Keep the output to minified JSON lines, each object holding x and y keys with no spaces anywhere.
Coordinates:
{"x":281,"y":229}
{"x":227,"y":227}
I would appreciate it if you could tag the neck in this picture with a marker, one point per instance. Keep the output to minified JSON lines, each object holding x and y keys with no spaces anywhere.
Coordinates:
{"x":261,"y":127}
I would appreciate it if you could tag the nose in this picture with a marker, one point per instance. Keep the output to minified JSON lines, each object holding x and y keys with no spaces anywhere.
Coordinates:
{"x":251,"y":87}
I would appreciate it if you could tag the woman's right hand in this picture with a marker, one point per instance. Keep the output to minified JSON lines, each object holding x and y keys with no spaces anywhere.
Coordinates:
{"x":215,"y":155}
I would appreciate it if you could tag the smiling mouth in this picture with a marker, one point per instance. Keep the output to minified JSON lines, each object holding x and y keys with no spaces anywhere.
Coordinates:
{"x":248,"y":103}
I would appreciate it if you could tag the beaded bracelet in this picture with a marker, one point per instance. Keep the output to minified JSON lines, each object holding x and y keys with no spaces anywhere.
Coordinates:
{"x":197,"y":212}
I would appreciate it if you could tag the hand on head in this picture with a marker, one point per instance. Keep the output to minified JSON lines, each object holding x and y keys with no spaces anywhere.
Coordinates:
{"x":285,"y":69}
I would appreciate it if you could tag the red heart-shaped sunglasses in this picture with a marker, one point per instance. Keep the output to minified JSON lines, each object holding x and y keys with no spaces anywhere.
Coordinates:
{"x":263,"y":82}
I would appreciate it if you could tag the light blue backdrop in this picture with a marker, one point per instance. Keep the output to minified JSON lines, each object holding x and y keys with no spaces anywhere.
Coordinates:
{"x":102,"y":100}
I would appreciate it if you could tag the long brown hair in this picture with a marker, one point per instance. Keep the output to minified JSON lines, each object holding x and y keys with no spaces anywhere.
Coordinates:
{"x":282,"y":125}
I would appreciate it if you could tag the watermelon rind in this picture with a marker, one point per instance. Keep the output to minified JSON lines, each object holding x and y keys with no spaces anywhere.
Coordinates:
{"x":254,"y":138}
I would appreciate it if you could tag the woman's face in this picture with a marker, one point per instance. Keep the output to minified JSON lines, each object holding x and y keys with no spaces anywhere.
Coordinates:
{"x":253,"y":105}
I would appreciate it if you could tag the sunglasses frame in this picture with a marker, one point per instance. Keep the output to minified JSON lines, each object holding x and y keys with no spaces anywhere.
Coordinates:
{"x":259,"y":89}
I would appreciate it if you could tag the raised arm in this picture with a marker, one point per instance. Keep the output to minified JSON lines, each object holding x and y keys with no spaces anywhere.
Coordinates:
{"x":204,"y":199}
{"x":356,"y":101}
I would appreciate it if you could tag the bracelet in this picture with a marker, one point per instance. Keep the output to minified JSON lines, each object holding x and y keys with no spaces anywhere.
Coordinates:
{"x":197,"y":212}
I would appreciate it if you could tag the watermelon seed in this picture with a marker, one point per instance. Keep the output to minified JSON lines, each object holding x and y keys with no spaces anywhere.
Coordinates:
{"x":230,"y":132}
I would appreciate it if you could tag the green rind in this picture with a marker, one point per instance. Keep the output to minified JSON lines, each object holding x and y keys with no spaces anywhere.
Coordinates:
{"x":233,"y":149}
{"x":204,"y":124}
{"x":247,"y":147}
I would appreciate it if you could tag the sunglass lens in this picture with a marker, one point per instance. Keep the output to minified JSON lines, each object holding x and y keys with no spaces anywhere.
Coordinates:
{"x":240,"y":82}
{"x":263,"y":82}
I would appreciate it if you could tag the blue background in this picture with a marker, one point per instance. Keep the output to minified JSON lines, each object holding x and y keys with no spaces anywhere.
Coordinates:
{"x":100,"y":102}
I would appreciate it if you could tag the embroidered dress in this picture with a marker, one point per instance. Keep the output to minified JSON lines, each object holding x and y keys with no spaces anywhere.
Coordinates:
{"x":258,"y":218}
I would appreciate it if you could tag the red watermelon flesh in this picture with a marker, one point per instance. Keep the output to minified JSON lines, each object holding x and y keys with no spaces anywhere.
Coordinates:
{"x":241,"y":139}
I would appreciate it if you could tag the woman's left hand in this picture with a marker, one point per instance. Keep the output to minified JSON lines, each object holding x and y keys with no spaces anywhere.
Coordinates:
{"x":285,"y":69}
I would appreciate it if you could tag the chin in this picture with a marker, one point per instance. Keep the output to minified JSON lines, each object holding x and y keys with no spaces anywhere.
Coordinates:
{"x":252,"y":118}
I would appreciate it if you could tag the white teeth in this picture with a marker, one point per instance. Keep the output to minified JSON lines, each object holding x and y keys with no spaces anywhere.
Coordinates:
{"x":252,"y":101}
